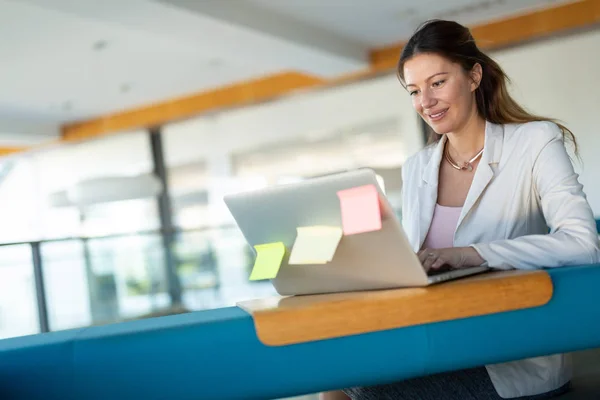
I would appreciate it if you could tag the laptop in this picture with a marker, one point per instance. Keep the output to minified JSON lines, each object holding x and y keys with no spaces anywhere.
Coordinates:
{"x":381,"y":259}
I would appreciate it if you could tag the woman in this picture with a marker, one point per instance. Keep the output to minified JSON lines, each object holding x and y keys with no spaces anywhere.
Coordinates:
{"x":485,"y":191}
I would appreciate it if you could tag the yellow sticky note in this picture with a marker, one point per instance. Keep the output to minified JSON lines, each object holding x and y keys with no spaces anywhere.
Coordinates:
{"x":268,"y":260}
{"x":315,"y":244}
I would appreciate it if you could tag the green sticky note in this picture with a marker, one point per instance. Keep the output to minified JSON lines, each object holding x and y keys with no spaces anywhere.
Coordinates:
{"x":268,"y":260}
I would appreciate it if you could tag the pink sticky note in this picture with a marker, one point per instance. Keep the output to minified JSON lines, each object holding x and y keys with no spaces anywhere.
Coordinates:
{"x":360,"y":209}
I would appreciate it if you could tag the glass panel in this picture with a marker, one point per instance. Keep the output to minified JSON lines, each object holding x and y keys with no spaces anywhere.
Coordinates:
{"x":130,"y":276}
{"x":18,"y":304}
{"x":18,"y":202}
{"x":66,"y":281}
{"x":104,"y":280}
{"x":214,"y":266}
{"x":188,"y":187}
{"x":198,"y":270}
{"x":121,"y":217}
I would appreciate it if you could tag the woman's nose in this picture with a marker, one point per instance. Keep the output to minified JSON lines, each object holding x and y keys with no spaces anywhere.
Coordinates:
{"x":427,"y":100}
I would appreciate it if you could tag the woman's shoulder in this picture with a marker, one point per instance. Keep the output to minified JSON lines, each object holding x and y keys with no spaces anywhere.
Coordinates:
{"x":534,"y":134}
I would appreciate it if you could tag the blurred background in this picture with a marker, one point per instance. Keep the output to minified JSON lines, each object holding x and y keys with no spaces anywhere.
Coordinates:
{"x":123,"y":124}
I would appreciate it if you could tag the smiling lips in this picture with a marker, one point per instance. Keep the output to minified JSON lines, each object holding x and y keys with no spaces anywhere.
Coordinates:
{"x":437,"y":116}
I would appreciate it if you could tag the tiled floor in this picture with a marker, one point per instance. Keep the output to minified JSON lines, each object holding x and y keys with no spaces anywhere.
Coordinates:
{"x":586,"y":380}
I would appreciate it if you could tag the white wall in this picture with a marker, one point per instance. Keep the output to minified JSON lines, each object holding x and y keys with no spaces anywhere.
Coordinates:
{"x":304,"y":115}
{"x":559,"y":78}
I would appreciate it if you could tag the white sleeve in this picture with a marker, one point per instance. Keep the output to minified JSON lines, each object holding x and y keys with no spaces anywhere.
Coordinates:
{"x":404,"y":206}
{"x":573,"y":237}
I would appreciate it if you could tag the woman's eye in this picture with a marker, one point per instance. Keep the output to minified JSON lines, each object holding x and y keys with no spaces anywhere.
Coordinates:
{"x":412,"y":93}
{"x":438,"y":83}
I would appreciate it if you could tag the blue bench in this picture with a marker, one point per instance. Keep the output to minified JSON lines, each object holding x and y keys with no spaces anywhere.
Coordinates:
{"x":215,"y":354}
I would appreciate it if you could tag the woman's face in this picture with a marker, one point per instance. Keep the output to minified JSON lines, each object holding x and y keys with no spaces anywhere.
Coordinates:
{"x":442,"y":92}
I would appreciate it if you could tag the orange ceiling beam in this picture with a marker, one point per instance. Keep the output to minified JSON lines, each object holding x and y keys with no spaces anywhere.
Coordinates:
{"x":513,"y":30}
{"x":235,"y":95}
{"x":497,"y":34}
{"x":7,"y":151}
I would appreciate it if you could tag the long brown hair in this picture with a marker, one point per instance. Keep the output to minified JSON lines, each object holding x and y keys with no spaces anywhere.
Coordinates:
{"x":455,"y":42}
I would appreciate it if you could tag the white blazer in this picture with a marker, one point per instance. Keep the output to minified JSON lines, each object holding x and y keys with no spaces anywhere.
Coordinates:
{"x":524,"y":185}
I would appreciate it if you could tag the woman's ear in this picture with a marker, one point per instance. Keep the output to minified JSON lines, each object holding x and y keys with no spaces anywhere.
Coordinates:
{"x":476,"y":74}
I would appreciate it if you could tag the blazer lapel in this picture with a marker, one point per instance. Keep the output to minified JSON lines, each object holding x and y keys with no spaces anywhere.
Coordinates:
{"x":492,"y":150}
{"x":428,"y":192}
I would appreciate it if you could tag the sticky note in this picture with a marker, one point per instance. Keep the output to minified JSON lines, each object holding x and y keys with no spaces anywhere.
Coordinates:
{"x":315,"y":244}
{"x":360,"y":209}
{"x":268,"y":260}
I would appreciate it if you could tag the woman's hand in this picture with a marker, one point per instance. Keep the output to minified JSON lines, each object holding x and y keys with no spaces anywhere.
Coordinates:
{"x":455,"y":257}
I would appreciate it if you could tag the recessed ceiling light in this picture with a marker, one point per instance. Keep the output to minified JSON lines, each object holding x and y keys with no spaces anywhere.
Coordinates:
{"x":215,"y":62}
{"x":100,"y":45}
{"x":125,"y":88}
{"x":406,"y":14}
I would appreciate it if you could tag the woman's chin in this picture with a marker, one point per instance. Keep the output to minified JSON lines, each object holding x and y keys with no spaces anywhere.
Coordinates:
{"x":440,"y":129}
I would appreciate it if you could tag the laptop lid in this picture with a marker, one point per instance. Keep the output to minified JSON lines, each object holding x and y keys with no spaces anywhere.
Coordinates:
{"x":372,"y":260}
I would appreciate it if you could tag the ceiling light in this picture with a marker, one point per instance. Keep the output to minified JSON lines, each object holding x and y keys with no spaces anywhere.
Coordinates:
{"x":100,"y":45}
{"x":215,"y":62}
{"x":405,"y":14}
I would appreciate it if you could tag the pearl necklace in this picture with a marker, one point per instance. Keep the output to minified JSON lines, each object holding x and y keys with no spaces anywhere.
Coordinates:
{"x":468,"y":165}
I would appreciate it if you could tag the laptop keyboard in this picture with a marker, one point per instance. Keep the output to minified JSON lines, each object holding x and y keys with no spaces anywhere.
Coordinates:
{"x":442,"y":270}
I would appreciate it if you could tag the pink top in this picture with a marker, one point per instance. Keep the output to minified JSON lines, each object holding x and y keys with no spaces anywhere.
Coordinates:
{"x":443,"y":225}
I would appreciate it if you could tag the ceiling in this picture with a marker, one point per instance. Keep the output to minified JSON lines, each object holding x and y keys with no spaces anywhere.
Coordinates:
{"x":377,"y":23}
{"x":67,"y":60}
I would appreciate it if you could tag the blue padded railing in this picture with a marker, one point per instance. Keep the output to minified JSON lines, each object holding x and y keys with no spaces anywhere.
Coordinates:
{"x":216,"y":355}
